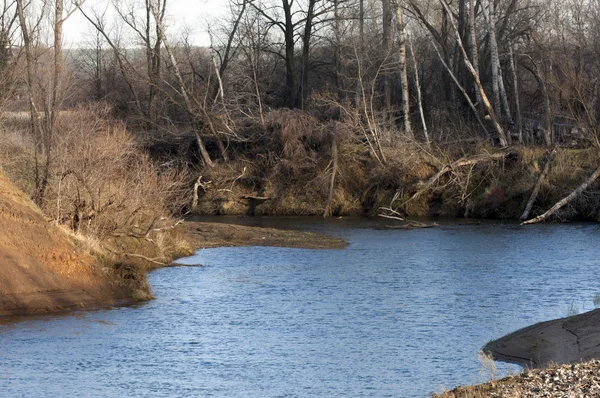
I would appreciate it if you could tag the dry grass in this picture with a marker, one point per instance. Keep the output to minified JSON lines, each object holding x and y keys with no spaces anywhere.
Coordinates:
{"x":569,"y":380}
{"x":289,"y":161}
{"x":106,"y":190}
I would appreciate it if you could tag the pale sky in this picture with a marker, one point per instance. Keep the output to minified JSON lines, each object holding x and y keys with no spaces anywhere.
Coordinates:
{"x":183,"y":15}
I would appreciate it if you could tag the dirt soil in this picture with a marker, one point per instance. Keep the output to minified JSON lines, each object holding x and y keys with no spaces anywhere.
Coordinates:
{"x":40,"y":270}
{"x":207,"y":235}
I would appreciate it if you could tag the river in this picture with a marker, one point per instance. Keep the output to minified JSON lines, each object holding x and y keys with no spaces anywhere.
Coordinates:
{"x":399,"y":313}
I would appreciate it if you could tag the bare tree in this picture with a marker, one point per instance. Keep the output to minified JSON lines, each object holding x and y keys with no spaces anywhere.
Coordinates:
{"x":403,"y":68}
{"x":45,"y":97}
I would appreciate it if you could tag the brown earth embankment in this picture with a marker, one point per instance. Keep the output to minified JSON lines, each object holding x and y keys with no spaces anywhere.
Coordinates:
{"x":40,"y":270}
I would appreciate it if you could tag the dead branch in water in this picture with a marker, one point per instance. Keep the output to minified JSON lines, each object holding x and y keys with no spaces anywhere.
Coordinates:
{"x":538,"y":185}
{"x":565,"y":200}
{"x":412,"y":225}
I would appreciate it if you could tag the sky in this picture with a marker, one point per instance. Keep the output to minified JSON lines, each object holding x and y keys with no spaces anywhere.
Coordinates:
{"x":183,"y":15}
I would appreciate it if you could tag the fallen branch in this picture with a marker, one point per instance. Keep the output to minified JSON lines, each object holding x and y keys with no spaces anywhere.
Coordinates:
{"x":150,"y":260}
{"x":140,"y":256}
{"x":392,"y":214}
{"x":412,"y":225}
{"x":391,"y":217}
{"x":565,"y":200}
{"x":454,"y":165}
{"x":538,"y":185}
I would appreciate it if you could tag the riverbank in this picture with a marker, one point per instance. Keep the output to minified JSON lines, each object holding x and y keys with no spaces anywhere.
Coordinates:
{"x":45,"y":269}
{"x":471,"y":182}
{"x":31,"y":287}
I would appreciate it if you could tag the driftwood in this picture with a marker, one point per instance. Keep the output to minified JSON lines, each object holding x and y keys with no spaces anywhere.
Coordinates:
{"x":412,"y":225}
{"x":538,"y":185}
{"x":565,"y":200}
{"x":454,"y":165}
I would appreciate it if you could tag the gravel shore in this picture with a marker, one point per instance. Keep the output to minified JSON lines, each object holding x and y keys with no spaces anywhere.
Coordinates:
{"x":580,"y":380}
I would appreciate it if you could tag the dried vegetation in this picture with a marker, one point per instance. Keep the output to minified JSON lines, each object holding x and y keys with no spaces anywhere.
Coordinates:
{"x":580,"y":380}
{"x":288,"y":165}
{"x":111,"y":198}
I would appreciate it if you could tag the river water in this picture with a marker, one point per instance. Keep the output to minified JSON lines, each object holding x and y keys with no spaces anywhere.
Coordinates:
{"x":396,"y":314}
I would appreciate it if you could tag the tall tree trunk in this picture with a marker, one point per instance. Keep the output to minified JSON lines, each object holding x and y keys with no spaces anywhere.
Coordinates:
{"x":308,"y":26}
{"x":487,"y":15}
{"x":290,"y":79}
{"x":361,"y":23}
{"x":41,"y":146}
{"x":51,"y":109}
{"x":515,"y":77}
{"x":338,"y":51}
{"x":547,"y":117}
{"x":500,"y":97}
{"x":229,"y":48}
{"x":419,"y":99}
{"x":387,"y":51}
{"x":460,"y":87}
{"x":403,"y":68}
{"x":488,"y":106}
{"x":361,"y":47}
{"x":461,"y":24}
{"x":189,"y":107}
{"x":474,"y":45}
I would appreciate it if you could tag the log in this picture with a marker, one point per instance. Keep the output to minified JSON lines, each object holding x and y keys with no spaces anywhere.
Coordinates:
{"x":537,"y":187}
{"x":412,"y":225}
{"x":561,"y":203}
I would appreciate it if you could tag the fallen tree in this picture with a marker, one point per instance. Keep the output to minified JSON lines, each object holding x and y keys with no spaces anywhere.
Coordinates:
{"x":561,"y":203}
{"x":538,"y":185}
{"x":470,"y":161}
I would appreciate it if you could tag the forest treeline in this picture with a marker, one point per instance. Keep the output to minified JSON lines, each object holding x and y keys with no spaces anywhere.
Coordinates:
{"x":483,"y":108}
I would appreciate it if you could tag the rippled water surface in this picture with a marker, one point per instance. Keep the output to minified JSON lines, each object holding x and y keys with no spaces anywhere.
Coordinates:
{"x":398,"y":313}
